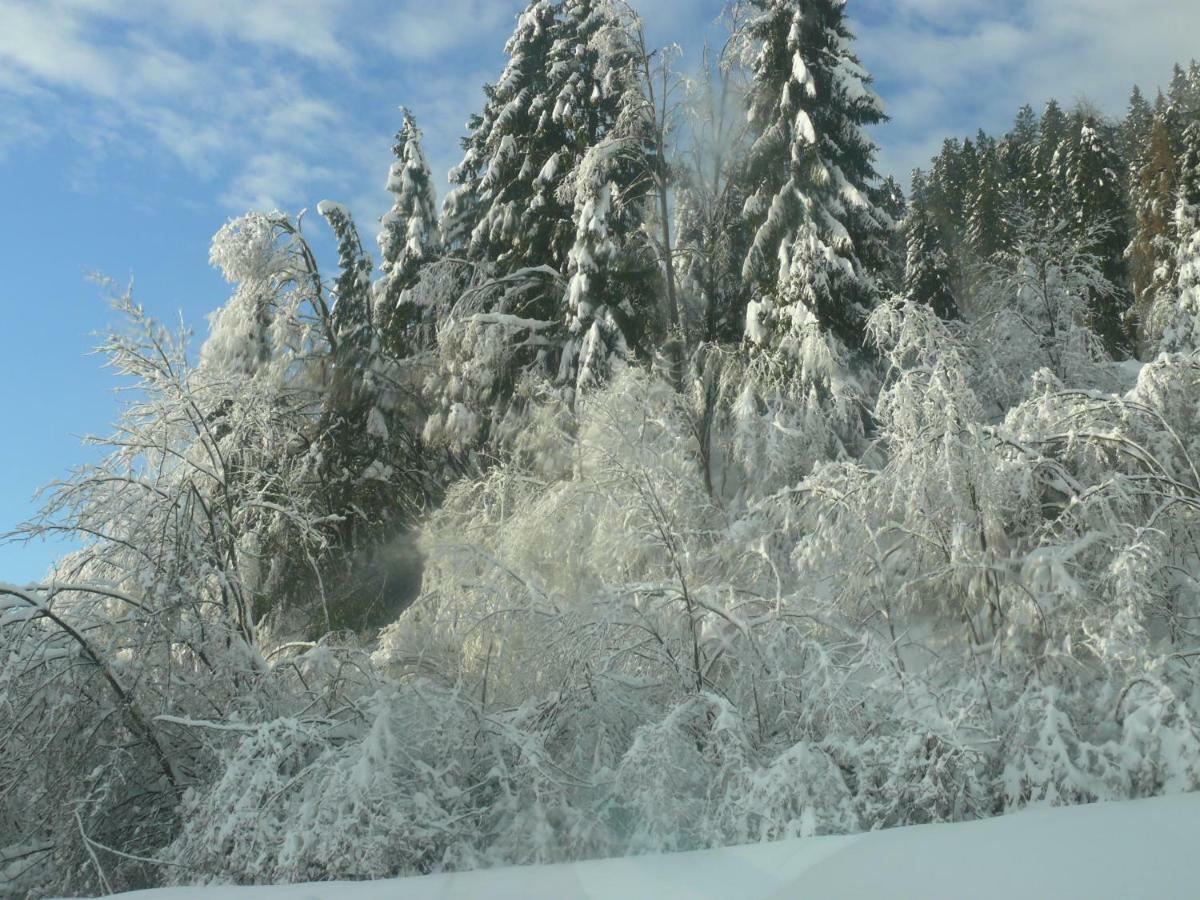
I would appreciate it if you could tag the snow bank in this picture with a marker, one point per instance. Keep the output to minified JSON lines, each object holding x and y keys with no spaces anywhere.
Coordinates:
{"x":1140,"y":848}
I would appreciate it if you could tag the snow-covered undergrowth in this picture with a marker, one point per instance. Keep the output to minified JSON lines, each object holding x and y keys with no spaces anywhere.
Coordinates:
{"x":666,"y":624}
{"x":609,"y":657}
{"x":1108,"y":851}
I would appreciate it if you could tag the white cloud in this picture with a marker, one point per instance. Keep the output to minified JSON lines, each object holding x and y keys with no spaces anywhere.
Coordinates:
{"x":272,"y":99}
{"x":307,"y":29}
{"x":273,"y":180}
{"x":952,"y":66}
{"x":54,"y":50}
{"x":222,"y":86}
{"x":425,"y":29}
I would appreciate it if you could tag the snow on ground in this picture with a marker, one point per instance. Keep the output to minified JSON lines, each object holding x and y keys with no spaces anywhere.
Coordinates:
{"x":1142,"y":848}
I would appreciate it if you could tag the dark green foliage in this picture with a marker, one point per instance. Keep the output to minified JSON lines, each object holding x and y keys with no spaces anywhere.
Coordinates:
{"x":1095,"y":197}
{"x":988,"y":205}
{"x":927,"y":275}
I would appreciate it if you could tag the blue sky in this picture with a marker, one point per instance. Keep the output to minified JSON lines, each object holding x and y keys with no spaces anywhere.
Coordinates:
{"x":132,"y":129}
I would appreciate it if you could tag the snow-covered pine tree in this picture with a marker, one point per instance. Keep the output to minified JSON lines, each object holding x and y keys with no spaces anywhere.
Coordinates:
{"x":927,"y":276}
{"x":558,"y":96}
{"x":889,"y":269}
{"x":352,"y":316}
{"x":512,"y":156}
{"x":1192,"y":103}
{"x":597,"y":343}
{"x":948,"y":188}
{"x":508,"y":222}
{"x":1178,"y":95}
{"x":1151,"y":252}
{"x":610,"y":294}
{"x":1096,"y":205}
{"x":1178,"y":318}
{"x":1135,"y":127}
{"x":370,"y":490}
{"x":987,"y":203}
{"x":1046,"y":179}
{"x":595,"y":100}
{"x":565,"y":120}
{"x":409,"y":236}
{"x":809,"y":170}
{"x":1018,"y":152}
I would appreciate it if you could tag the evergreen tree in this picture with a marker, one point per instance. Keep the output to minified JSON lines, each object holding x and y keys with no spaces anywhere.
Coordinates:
{"x":353,"y":428}
{"x":1096,"y":204}
{"x":609,"y":302}
{"x":1177,"y":92}
{"x":1018,"y":153}
{"x":504,"y":208}
{"x":1135,"y":127}
{"x":598,"y":342}
{"x":1193,"y":91}
{"x":949,"y":187}
{"x":1178,"y":318}
{"x":557,"y":166}
{"x":987,"y":205}
{"x":1151,"y":252}
{"x":353,"y":322}
{"x":564,"y":88}
{"x":927,"y":274}
{"x":809,"y":169}
{"x":1049,"y":158}
{"x":889,"y":197}
{"x":950,"y":179}
{"x":409,"y":237}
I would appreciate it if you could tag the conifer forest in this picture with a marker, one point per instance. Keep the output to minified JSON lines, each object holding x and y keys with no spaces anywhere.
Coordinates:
{"x":675,"y":479}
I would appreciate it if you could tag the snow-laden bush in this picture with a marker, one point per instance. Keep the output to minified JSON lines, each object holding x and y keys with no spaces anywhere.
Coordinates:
{"x":368,"y":795}
{"x":633,"y":636}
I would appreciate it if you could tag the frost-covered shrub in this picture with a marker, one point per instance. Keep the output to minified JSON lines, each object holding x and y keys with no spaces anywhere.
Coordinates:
{"x":645,"y":629}
{"x":1048,"y":761}
{"x":1034,"y":313}
{"x":799,"y":793}
{"x":1160,"y":737}
{"x":917,"y":776}
{"x":366,"y":796}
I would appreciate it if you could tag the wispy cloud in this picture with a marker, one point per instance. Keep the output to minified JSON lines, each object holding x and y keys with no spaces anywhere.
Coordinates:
{"x":269,"y":101}
{"x":952,"y":66}
{"x":422,"y":30}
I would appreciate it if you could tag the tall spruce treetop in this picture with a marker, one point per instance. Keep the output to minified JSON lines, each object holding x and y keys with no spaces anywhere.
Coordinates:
{"x":809,"y":169}
{"x":600,"y":101}
{"x":1192,"y":102}
{"x":1177,"y":92}
{"x":510,"y":143}
{"x":987,"y":222}
{"x":409,"y":235}
{"x":1096,"y":199}
{"x":1151,"y":252}
{"x":1018,"y":152}
{"x":1136,"y":126}
{"x":889,"y":271}
{"x":1046,"y":178}
{"x":558,"y":96}
{"x":1180,"y":320}
{"x":950,"y":179}
{"x":927,"y":274}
